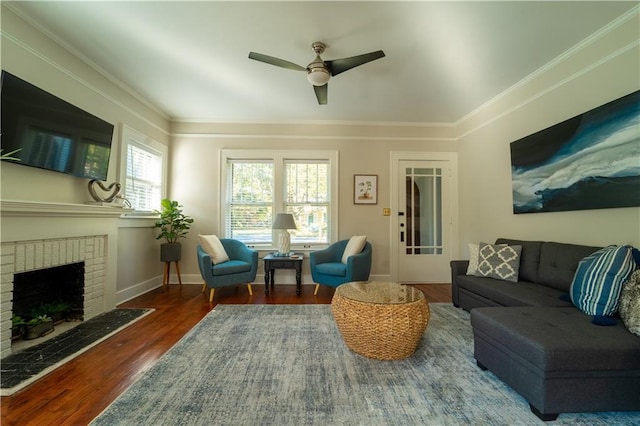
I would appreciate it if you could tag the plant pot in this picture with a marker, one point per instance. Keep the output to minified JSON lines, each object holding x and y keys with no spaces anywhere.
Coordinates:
{"x":170,"y":252}
{"x":38,"y":330}
{"x":17,"y":331}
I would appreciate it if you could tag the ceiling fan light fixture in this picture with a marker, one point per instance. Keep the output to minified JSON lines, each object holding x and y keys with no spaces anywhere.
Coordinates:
{"x":318,"y":76}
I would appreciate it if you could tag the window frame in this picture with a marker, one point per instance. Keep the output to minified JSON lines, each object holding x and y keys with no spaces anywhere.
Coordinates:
{"x":130,"y":136}
{"x":279,"y":159}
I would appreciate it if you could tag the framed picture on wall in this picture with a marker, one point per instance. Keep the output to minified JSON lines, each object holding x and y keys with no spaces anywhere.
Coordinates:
{"x":365,"y":189}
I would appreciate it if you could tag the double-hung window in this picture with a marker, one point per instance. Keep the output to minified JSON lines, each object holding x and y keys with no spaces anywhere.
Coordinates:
{"x":257,"y":185}
{"x":142,"y":169}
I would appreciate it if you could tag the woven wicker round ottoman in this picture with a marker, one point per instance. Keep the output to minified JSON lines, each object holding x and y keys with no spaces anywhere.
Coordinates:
{"x":380,"y":320}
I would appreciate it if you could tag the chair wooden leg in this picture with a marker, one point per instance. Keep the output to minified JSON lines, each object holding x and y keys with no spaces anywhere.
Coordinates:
{"x":204,"y":286}
{"x":178,"y":270}
{"x":211,"y":295}
{"x":250,"y":290}
{"x":315,"y":292}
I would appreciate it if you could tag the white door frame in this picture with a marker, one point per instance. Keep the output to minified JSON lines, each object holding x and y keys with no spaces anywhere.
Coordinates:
{"x":395,"y":158}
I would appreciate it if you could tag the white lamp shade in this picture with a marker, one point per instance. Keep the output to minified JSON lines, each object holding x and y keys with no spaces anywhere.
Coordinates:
{"x":284,"y":221}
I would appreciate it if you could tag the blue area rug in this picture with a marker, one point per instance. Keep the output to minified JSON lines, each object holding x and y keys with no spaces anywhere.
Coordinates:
{"x":288,"y":365}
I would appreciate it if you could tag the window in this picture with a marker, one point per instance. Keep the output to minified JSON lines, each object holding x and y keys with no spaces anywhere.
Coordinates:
{"x":307,"y":198}
{"x":259,"y":184}
{"x":142,"y":169}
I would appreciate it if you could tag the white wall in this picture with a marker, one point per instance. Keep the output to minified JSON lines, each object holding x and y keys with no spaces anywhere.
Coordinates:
{"x":30,"y":55}
{"x":195,"y":169}
{"x":604,"y":69}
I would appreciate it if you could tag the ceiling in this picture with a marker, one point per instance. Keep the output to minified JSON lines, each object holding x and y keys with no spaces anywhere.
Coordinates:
{"x":443,"y":59}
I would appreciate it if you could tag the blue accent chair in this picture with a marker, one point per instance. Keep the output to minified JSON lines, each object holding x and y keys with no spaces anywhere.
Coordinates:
{"x":240,"y":269}
{"x":327,"y":267}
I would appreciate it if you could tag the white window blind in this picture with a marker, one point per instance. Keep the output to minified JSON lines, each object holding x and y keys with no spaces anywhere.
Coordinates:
{"x":259,"y":184}
{"x":249,"y":201}
{"x":307,"y":199}
{"x":142,"y":170}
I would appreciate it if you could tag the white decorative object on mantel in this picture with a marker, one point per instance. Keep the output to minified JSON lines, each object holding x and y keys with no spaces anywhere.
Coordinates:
{"x":113,"y":187}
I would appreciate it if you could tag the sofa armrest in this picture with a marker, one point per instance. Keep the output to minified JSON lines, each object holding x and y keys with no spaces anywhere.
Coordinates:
{"x":458,"y":267}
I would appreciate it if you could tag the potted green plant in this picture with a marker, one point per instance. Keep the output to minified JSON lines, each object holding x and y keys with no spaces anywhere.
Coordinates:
{"x":17,"y":327}
{"x":173,"y":224}
{"x":38,"y":327}
{"x":58,"y":311}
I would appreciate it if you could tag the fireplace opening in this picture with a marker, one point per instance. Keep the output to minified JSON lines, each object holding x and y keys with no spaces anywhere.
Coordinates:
{"x":42,"y":290}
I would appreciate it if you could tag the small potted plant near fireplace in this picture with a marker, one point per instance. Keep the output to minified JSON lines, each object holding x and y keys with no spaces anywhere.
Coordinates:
{"x":17,"y":327}
{"x":38,"y":327}
{"x":173,"y":224}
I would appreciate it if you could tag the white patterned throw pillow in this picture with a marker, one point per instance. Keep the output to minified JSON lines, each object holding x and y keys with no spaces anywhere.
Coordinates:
{"x":473,"y":258}
{"x":472,"y":268}
{"x":498,"y":261}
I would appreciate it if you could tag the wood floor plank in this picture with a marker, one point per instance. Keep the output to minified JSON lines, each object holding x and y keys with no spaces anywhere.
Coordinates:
{"x":81,"y":389}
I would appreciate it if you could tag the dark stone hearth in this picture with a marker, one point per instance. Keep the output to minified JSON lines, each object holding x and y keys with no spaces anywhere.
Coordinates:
{"x":30,"y":362}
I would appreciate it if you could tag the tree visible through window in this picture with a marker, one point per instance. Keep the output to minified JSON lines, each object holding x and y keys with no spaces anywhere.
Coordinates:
{"x":307,"y":198}
{"x":258,"y":188}
{"x":250,"y":201}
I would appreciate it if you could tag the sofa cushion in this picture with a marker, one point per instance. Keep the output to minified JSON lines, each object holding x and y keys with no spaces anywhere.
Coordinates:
{"x":500,"y":262}
{"x":597,"y":284}
{"x":529,"y":258}
{"x":630,"y":303}
{"x":558,"y":263}
{"x":505,"y":293}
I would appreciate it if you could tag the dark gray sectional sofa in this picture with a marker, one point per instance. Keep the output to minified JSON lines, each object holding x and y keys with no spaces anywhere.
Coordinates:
{"x":538,"y":343}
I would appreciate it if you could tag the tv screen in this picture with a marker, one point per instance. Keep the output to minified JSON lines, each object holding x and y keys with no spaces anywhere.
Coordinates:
{"x":49,"y":133}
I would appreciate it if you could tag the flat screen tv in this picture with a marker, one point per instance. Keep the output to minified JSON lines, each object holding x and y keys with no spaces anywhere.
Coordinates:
{"x":50,"y":133}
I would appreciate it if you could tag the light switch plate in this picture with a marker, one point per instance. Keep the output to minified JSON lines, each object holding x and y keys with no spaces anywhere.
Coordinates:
{"x":386,"y":211}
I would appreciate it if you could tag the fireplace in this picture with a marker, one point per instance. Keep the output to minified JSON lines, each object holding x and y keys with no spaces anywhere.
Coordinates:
{"x":84,"y":256}
{"x":42,"y":290}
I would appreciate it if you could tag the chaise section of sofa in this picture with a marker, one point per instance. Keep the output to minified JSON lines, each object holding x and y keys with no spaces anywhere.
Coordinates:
{"x":558,"y":360}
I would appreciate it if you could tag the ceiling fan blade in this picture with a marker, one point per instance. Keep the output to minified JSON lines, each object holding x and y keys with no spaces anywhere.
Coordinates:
{"x":341,"y":65}
{"x":275,"y":61}
{"x":321,"y":93}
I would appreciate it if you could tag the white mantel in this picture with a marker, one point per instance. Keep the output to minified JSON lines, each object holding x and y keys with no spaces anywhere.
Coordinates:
{"x":38,"y":226}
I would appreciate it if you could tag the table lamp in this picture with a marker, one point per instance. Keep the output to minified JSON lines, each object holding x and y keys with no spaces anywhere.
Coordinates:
{"x":283,"y":222}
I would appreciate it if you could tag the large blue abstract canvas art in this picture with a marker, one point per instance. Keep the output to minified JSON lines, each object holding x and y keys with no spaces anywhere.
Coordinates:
{"x":591,"y":161}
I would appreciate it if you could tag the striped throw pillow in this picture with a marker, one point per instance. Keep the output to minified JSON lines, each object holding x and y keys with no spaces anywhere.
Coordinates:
{"x":597,"y":283}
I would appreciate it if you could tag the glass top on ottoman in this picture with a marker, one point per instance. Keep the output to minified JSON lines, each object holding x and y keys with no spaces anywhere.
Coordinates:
{"x":385,"y":293}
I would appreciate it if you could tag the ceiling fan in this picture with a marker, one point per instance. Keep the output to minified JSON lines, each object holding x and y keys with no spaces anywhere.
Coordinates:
{"x":319,"y":71}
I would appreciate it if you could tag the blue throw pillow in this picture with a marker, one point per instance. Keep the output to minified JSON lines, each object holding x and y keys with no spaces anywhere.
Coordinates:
{"x":597,"y":283}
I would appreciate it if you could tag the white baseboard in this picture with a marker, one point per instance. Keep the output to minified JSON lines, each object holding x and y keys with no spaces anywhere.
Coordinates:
{"x":138,"y":290}
{"x":283,"y":277}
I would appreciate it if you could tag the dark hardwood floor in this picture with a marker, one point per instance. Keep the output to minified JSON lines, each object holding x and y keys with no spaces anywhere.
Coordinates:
{"x":78,"y":391}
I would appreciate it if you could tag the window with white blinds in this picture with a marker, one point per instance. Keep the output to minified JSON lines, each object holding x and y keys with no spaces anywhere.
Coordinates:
{"x":142,"y":170}
{"x":249,"y":201}
{"x":307,"y":198}
{"x":300,"y":183}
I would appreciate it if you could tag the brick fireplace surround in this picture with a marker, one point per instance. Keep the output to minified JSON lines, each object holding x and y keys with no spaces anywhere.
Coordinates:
{"x":43,"y":235}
